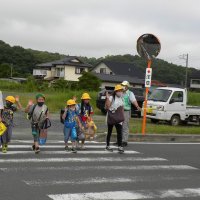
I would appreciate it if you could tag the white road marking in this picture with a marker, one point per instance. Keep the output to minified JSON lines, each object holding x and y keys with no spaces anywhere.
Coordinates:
{"x":185,"y":193}
{"x":65,"y":152}
{"x":96,"y":142}
{"x":11,"y":146}
{"x":98,"y":159}
{"x":105,"y":168}
{"x":54,"y":141}
{"x":98,"y":180}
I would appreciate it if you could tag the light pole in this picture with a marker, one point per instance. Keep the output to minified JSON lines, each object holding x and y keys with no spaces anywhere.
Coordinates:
{"x":185,"y":57}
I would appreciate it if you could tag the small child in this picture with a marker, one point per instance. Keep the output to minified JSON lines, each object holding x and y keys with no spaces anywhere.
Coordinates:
{"x":37,"y":113}
{"x":7,"y":114}
{"x":91,"y":130}
{"x":85,"y":112}
{"x":71,"y":124}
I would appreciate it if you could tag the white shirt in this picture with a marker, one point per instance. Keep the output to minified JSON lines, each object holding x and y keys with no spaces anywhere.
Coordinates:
{"x":1,"y":101}
{"x":116,"y":103}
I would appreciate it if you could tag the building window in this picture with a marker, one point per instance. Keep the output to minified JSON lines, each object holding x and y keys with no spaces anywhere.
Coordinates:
{"x":195,"y":81}
{"x":79,"y":70}
{"x":102,"y":70}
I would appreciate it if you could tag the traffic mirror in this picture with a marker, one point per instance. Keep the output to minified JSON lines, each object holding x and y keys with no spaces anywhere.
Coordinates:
{"x":148,"y":46}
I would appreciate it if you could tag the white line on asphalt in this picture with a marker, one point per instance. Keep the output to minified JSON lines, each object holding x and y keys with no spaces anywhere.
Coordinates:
{"x":185,"y":193}
{"x":65,"y":152}
{"x":11,"y":146}
{"x":96,"y":142}
{"x":53,"y":141}
{"x":105,"y":168}
{"x":98,"y":159}
{"x":97,"y":180}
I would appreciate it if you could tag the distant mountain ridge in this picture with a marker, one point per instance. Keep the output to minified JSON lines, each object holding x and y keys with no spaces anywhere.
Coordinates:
{"x":24,"y":60}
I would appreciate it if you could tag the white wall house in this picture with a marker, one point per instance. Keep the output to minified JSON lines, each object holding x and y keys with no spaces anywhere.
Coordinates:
{"x":195,"y":80}
{"x":70,"y":68}
{"x":112,"y":73}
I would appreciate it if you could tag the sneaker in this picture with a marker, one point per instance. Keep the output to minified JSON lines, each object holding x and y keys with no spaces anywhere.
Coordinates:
{"x":4,"y":148}
{"x":33,"y":147}
{"x":67,"y":148}
{"x":73,"y":150}
{"x":120,"y":149}
{"x":108,"y":149}
{"x":37,"y":150}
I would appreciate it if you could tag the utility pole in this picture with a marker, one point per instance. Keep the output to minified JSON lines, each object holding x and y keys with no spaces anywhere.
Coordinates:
{"x":185,"y":57}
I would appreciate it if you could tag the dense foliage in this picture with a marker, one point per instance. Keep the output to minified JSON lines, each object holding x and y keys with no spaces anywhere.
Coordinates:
{"x":24,"y":60}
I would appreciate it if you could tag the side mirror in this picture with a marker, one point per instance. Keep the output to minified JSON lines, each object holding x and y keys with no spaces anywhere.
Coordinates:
{"x":171,"y":101}
{"x":148,"y":46}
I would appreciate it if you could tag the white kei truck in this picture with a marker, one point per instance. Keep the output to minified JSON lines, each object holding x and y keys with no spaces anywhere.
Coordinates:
{"x":170,"y":104}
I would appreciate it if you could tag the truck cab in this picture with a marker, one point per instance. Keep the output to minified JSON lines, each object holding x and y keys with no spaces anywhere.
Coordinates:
{"x":170,"y":104}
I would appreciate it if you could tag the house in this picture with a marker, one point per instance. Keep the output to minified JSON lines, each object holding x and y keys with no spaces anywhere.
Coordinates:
{"x":69,"y":68}
{"x":195,"y":80}
{"x":112,"y":73}
{"x":118,"y":68}
{"x":111,"y":80}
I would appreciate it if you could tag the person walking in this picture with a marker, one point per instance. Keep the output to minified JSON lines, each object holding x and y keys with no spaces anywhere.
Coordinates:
{"x":38,"y":113}
{"x":115,"y":117}
{"x":6,"y":116}
{"x":128,"y":99}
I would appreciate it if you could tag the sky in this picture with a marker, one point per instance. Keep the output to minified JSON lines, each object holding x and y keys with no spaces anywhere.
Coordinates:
{"x":96,"y":28}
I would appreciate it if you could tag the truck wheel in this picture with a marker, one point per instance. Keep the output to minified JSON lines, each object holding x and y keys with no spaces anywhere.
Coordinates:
{"x":154,"y":121}
{"x":175,"y":120}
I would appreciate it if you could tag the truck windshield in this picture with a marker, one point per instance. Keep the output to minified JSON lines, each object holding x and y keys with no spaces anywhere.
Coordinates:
{"x":160,"y":95}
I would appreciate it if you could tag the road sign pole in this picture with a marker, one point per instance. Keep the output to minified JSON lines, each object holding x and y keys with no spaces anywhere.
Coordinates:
{"x":145,"y":104}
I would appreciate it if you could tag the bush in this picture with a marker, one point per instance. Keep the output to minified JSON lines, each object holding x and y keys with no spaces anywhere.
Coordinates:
{"x":89,"y":81}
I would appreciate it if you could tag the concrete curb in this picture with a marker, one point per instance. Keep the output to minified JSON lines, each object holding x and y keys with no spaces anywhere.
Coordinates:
{"x":154,"y":138}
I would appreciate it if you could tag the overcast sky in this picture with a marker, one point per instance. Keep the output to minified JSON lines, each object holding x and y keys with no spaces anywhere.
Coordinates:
{"x":101,"y":27}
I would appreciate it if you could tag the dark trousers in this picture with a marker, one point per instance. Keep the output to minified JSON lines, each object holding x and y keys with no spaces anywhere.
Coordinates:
{"x":119,"y":134}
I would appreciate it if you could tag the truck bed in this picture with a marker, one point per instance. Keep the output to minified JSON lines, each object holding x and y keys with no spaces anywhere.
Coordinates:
{"x":193,"y":110}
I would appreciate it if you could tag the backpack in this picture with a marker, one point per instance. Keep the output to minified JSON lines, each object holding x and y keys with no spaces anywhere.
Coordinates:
{"x":61,"y":114}
{"x":30,"y":114}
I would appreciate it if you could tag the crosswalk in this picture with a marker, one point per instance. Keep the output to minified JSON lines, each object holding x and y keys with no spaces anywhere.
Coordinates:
{"x":93,"y":174}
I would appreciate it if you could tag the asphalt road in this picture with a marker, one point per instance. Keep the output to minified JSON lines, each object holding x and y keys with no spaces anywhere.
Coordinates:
{"x":145,"y":171}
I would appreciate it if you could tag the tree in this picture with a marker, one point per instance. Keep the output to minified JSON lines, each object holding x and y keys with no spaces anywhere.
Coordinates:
{"x":5,"y":70}
{"x":89,"y":82}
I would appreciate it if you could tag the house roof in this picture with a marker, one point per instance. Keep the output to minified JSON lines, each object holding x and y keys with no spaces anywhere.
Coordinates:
{"x":195,"y":74}
{"x":120,"y":68}
{"x":119,"y":78}
{"x":68,"y":60}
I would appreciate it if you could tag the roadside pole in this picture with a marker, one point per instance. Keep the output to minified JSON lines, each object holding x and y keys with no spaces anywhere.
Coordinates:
{"x":148,"y":47}
{"x":147,"y":85}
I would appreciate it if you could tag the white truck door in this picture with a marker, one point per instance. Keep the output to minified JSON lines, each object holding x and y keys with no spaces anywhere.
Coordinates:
{"x":177,"y":105}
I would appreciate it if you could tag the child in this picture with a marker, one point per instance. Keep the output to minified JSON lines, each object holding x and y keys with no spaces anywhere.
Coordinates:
{"x":71,"y":123}
{"x":85,"y":112}
{"x":37,"y":113}
{"x":91,"y":130}
{"x":7,"y":118}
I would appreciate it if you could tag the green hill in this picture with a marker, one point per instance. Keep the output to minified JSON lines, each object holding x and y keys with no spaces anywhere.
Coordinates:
{"x":24,"y":60}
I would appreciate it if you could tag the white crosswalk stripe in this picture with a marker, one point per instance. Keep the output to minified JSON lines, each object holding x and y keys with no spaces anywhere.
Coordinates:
{"x":186,"y":192}
{"x":54,"y":160}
